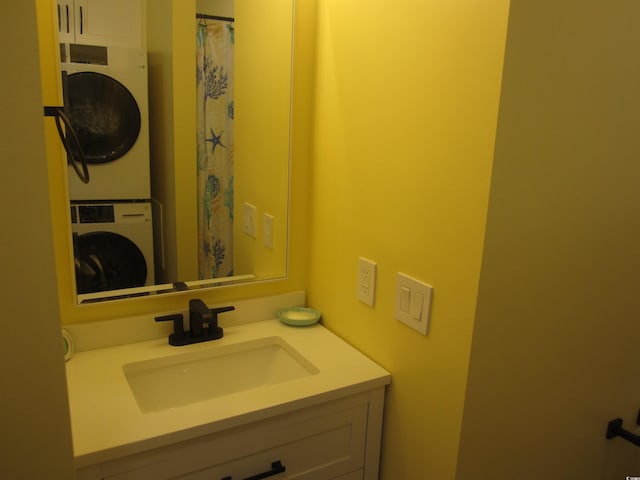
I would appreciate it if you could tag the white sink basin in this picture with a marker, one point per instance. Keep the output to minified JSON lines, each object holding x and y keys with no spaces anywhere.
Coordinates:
{"x":177,"y":380}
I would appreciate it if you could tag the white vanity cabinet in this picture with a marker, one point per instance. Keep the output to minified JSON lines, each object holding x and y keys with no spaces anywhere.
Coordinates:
{"x":324,"y":425}
{"x":117,"y":23}
{"x":335,"y":440}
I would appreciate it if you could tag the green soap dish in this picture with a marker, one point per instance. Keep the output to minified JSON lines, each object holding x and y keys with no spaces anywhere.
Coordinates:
{"x":67,"y":345}
{"x":299,"y":316}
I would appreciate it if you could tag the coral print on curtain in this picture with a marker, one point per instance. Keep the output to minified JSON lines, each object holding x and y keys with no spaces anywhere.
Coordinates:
{"x":215,"y":147}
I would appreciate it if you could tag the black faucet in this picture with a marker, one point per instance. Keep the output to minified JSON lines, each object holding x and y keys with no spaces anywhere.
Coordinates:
{"x":199,"y":316}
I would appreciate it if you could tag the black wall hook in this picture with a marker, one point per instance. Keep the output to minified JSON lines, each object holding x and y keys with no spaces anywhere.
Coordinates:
{"x":614,"y":429}
{"x":71,"y":142}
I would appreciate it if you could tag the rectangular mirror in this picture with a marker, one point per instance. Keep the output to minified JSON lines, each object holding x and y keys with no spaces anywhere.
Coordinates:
{"x":182,"y":110}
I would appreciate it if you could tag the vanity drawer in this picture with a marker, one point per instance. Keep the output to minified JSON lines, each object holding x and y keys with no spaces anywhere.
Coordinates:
{"x":357,"y":475}
{"x":321,"y":455}
{"x":317,"y":443}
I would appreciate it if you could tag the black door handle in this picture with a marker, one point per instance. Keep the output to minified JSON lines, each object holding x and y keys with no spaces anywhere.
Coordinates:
{"x":276,"y":468}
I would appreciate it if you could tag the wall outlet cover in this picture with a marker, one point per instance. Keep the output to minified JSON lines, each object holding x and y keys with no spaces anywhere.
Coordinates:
{"x":249,"y":213}
{"x":366,"y":281}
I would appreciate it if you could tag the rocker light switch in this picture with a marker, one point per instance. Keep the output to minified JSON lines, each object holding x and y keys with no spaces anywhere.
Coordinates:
{"x":416,"y":302}
{"x":413,"y":303}
{"x":405,"y":299}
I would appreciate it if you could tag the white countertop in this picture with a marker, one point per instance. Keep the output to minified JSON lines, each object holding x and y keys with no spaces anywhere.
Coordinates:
{"x":107,"y":422}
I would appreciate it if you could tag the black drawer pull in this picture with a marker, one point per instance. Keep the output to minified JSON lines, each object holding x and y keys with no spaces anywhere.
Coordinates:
{"x":276,"y":468}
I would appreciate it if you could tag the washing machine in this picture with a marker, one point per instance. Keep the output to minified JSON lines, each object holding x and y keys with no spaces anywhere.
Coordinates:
{"x":113,"y":246}
{"x":105,"y":93}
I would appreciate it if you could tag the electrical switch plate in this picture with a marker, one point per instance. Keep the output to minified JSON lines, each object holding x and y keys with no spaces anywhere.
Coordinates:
{"x":413,"y":303}
{"x":267,"y":230}
{"x":249,"y":219}
{"x":366,"y":281}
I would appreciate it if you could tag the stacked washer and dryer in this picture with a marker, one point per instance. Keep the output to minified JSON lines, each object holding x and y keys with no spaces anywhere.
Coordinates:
{"x":106,"y":100}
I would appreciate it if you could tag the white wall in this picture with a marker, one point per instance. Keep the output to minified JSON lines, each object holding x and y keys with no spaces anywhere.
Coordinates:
{"x":36,"y":440}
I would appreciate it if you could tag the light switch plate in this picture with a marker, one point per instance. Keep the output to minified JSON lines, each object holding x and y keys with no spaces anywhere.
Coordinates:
{"x":414,"y":311}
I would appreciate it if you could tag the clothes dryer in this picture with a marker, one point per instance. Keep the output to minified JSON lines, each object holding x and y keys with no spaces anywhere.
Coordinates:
{"x":113,"y":246}
{"x":106,"y":100}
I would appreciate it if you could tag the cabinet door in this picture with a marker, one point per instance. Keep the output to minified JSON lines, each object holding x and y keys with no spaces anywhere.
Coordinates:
{"x":114,"y":23}
{"x":66,"y":21}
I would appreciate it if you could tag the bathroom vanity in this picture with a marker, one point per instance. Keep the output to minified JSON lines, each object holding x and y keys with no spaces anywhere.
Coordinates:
{"x":266,"y":401}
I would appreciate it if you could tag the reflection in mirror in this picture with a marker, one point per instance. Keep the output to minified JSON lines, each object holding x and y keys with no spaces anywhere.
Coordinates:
{"x":215,"y":141}
{"x":189,"y":172}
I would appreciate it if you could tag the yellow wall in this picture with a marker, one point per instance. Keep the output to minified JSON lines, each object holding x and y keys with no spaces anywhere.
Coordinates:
{"x":184,"y":107}
{"x":34,"y":412}
{"x":172,"y":120}
{"x":223,"y":8}
{"x":162,"y":115}
{"x":555,"y":354}
{"x":262,"y":96}
{"x":405,"y":116}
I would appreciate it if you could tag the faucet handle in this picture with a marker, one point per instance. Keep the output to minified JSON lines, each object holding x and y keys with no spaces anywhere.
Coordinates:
{"x":214,"y":330}
{"x":215,"y":311}
{"x":178,"y":326}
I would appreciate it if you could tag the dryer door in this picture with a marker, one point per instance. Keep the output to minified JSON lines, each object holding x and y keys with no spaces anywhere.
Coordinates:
{"x":107,"y":261}
{"x":104,"y":114}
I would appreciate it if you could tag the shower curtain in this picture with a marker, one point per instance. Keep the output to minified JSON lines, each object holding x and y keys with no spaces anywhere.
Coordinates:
{"x":214,"y":47}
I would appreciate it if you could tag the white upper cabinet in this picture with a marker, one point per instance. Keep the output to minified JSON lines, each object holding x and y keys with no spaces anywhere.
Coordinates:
{"x":113,"y":23}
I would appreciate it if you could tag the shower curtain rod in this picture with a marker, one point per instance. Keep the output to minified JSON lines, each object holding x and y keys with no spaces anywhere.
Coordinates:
{"x":214,"y":17}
